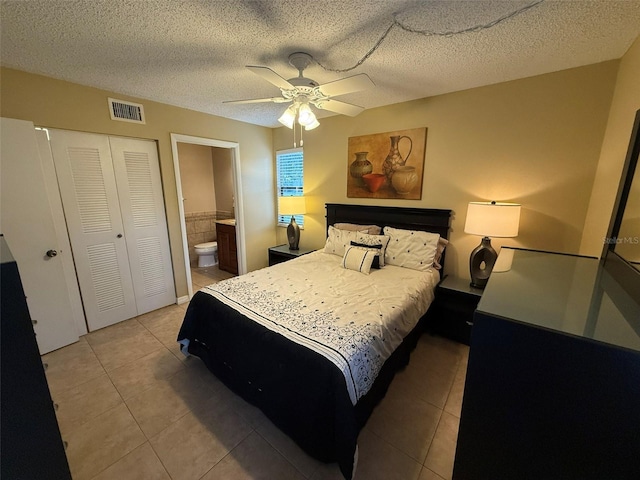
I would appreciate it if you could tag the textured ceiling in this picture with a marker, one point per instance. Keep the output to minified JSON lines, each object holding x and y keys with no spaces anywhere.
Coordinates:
{"x":192,"y":53}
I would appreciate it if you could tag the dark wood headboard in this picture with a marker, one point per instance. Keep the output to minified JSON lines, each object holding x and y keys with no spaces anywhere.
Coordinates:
{"x":424,"y":219}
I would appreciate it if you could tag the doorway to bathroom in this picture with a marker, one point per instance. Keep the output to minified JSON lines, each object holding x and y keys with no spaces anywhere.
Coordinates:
{"x":208,"y":185}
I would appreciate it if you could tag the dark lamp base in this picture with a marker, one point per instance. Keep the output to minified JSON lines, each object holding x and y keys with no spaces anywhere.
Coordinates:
{"x":481,"y":263}
{"x":293,"y":234}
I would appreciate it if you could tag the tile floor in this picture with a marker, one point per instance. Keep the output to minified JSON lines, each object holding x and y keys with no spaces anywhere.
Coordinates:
{"x":131,"y":406}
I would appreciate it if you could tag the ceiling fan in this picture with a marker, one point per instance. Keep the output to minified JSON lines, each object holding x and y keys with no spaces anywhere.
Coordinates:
{"x":302,"y":92}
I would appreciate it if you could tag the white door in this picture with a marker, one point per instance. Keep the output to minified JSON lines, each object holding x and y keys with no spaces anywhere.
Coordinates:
{"x":60,"y":225}
{"x":90,"y":199}
{"x":26,"y":222}
{"x":137,"y":171}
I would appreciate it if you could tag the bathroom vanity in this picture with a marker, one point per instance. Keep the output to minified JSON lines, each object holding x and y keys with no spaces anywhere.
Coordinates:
{"x":227,"y":250}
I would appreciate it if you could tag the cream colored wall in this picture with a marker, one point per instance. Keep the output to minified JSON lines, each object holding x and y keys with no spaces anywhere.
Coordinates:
{"x":223,"y":178}
{"x":535,"y":141}
{"x":196,"y":178}
{"x":626,"y":101}
{"x":58,"y":104}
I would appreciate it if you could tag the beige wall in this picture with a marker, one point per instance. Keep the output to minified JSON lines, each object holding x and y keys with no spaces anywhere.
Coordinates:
{"x":626,"y":101}
{"x":223,"y":178}
{"x":534,"y":141}
{"x":58,"y":104}
{"x":196,"y":178}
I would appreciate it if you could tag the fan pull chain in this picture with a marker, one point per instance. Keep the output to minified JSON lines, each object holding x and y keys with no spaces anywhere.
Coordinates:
{"x":294,"y":131}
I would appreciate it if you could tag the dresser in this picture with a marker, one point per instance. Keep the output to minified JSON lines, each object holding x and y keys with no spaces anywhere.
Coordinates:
{"x":31,"y":444}
{"x":553,"y":382}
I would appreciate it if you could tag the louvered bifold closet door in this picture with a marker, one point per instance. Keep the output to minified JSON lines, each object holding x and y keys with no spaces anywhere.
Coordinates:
{"x":92,"y":210}
{"x":141,"y":202}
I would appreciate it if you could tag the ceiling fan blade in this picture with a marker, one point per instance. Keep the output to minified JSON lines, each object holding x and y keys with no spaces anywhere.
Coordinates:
{"x":347,"y":85}
{"x":260,"y":100}
{"x":340,"y":107}
{"x":271,"y":76}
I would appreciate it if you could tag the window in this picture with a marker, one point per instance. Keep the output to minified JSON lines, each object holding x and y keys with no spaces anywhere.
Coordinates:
{"x":289,"y":171}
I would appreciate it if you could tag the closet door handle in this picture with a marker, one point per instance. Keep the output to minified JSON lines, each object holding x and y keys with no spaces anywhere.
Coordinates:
{"x":119,"y":235}
{"x":51,"y":253}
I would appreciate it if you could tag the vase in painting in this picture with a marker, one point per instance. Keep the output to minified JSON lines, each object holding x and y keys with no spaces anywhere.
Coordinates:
{"x":360,"y":166}
{"x":404,"y":179}
{"x":394,"y":159}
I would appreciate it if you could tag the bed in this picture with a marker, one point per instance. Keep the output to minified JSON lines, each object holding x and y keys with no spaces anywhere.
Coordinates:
{"x":315,"y":342}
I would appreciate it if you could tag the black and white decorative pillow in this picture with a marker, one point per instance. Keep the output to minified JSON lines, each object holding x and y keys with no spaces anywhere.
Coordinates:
{"x":358,"y":259}
{"x":374,"y":248}
{"x":411,"y":248}
{"x":374,"y":241}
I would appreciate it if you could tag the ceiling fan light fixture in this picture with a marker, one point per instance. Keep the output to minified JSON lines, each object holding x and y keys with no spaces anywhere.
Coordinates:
{"x":313,"y":125}
{"x":288,"y":117}
{"x":305,"y":115}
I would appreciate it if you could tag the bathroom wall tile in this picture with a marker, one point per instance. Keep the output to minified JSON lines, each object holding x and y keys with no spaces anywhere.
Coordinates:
{"x":195,"y":238}
{"x":202,"y":225}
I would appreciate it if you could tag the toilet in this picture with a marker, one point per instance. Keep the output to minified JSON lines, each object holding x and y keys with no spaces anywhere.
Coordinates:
{"x":207,"y":254}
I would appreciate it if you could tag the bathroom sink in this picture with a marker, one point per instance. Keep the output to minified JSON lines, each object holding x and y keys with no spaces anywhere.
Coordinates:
{"x":229,"y":221}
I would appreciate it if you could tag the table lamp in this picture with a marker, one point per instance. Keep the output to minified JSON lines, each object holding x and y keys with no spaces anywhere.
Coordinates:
{"x":489,"y":219}
{"x":292,"y":206}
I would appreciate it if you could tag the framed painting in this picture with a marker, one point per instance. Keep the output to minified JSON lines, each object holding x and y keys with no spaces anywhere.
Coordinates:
{"x":387,"y":165}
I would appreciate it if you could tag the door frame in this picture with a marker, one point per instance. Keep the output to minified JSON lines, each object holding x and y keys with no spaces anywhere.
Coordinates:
{"x":238,"y":207}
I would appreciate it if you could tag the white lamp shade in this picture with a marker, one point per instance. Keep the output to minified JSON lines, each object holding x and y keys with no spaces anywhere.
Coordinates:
{"x":492,"y":219}
{"x":288,"y":117}
{"x":305,"y":115}
{"x":315,"y":124}
{"x":292,"y":206}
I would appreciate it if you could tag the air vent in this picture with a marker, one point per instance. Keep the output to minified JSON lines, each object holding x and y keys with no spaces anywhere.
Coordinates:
{"x":126,"y":111}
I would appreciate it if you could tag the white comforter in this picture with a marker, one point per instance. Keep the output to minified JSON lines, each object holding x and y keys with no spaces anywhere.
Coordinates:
{"x":354,"y":320}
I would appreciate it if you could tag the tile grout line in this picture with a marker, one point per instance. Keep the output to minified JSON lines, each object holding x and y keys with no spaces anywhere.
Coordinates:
{"x":282,"y":453}
{"x":124,"y":402}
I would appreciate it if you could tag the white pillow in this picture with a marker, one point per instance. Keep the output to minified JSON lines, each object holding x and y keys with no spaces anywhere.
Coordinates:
{"x":358,"y":259}
{"x":411,"y":248}
{"x":442,"y":244}
{"x":370,"y":229}
{"x":339,"y":240}
{"x":382,"y":240}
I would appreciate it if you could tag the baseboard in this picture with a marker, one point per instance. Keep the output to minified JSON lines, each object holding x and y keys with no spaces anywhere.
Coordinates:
{"x":184,"y":299}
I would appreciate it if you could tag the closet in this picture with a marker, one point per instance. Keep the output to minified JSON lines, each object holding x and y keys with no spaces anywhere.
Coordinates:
{"x":111,"y":192}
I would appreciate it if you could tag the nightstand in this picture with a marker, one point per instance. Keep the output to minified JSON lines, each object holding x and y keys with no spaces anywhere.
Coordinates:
{"x":451,"y":313}
{"x":281,"y":253}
